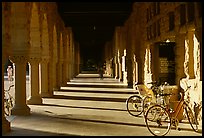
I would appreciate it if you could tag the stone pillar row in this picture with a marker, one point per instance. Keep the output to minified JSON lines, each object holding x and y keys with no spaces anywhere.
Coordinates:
{"x":44,"y":78}
{"x":20,"y":107}
{"x":35,"y":97}
{"x":120,"y":72}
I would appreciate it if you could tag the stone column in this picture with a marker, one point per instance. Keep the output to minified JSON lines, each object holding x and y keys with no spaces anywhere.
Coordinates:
{"x":68,"y":70}
{"x":60,"y":72}
{"x":140,"y":70}
{"x":71,"y":60}
{"x":64,"y":73}
{"x":35,"y":97}
{"x":129,"y":63}
{"x":120,"y":69}
{"x":179,"y":56}
{"x":50,"y":78}
{"x":198,"y":34}
{"x":191,"y":58}
{"x":5,"y":123}
{"x":54,"y":69}
{"x":116,"y":68}
{"x":20,"y":107}
{"x":44,"y":78}
{"x":129,"y":71}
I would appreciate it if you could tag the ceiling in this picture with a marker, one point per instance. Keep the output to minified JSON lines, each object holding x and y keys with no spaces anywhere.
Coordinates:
{"x":93,"y":23}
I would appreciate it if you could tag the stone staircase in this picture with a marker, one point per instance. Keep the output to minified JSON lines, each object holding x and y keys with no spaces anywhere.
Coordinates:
{"x":86,"y":106}
{"x":89,"y":86}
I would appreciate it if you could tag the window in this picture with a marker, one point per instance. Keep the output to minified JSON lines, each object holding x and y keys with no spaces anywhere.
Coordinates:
{"x":191,"y":11}
{"x":171,"y":21}
{"x":182,"y":14}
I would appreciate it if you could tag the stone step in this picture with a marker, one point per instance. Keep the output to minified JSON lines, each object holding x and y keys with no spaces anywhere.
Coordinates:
{"x":96,"y":84}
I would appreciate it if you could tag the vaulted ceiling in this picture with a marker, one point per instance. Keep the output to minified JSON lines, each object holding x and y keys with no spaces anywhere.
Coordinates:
{"x":93,"y":23}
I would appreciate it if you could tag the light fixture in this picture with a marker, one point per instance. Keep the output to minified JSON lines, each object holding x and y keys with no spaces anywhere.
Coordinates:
{"x":167,"y":41}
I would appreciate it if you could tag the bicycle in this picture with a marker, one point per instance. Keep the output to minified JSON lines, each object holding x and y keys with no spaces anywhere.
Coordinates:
{"x":8,"y":101}
{"x":198,"y":110}
{"x":138,"y":104}
{"x":160,"y":118}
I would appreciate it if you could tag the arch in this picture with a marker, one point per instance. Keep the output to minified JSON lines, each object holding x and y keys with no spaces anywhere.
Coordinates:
{"x":54,"y":57}
{"x":60,"y":56}
{"x":61,"y":46}
{"x":45,"y":36}
{"x":55,"y":43}
{"x":20,"y":34}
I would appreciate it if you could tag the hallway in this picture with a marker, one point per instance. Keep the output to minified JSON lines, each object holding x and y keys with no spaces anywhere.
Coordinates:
{"x":87,"y":106}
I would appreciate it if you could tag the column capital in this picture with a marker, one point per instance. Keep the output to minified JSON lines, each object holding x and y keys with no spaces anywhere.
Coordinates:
{"x":44,"y":60}
{"x":19,"y":59}
{"x":34,"y":60}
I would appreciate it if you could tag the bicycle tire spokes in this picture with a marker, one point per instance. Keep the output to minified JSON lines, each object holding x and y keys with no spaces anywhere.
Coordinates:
{"x":158,"y":120}
{"x":134,"y":105}
{"x":147,"y":102}
{"x":191,"y":118}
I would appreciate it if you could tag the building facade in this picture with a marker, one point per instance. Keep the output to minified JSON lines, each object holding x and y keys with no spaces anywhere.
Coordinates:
{"x":160,"y":41}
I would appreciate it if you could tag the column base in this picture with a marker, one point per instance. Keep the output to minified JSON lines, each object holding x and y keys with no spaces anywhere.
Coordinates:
{"x":34,"y":100}
{"x":56,"y":89}
{"x":120,"y":80}
{"x":46,"y":95}
{"x":6,"y":127}
{"x":20,"y":110}
{"x":130,"y":85}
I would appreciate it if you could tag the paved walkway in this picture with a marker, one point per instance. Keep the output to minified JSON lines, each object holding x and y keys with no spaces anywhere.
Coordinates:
{"x":87,"y":106}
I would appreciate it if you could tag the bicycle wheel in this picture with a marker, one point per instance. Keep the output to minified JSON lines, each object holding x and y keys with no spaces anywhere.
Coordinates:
{"x":6,"y":107}
{"x":157,"y":120}
{"x":134,"y":105}
{"x":191,"y":118}
{"x":146,"y":103}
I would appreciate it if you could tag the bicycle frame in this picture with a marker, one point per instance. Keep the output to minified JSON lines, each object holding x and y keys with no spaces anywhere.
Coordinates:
{"x":160,"y":116}
{"x":181,"y":104}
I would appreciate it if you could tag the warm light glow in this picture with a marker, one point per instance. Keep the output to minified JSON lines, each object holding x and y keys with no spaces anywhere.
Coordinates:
{"x":124,"y":52}
{"x":167,"y":40}
{"x":186,"y":68}
{"x":147,"y":68}
{"x":196,"y":57}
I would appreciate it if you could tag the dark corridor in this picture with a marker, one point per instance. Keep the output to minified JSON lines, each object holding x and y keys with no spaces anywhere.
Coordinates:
{"x":93,"y":24}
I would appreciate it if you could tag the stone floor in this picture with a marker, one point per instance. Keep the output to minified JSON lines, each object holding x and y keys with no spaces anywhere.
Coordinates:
{"x":87,"y":106}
